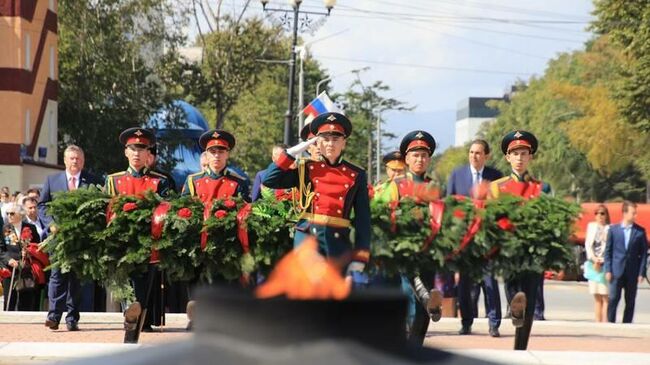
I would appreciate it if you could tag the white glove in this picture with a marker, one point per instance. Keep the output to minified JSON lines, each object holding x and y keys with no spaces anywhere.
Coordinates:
{"x":301,"y":147}
{"x":355,"y":266}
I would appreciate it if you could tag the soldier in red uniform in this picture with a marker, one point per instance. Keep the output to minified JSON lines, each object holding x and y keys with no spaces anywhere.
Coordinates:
{"x":519,"y":147}
{"x":136,"y":180}
{"x":417,"y":147}
{"x":332,"y":189}
{"x":217,"y":181}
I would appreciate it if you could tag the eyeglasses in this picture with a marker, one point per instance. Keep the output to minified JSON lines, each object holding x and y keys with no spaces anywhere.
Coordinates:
{"x":600,"y":213}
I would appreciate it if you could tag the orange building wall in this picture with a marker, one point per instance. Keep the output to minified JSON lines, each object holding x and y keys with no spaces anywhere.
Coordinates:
{"x":28,"y":84}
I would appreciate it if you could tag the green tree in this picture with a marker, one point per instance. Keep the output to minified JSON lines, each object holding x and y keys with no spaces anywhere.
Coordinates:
{"x":108,"y":53}
{"x":628,"y":24}
{"x":232,"y":50}
{"x":584,"y":147}
{"x":361,"y":103}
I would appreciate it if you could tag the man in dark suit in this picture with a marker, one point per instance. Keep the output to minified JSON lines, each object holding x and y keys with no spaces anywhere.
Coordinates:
{"x":464,"y":181}
{"x":625,"y":262}
{"x":64,"y":289}
{"x":256,"y":193}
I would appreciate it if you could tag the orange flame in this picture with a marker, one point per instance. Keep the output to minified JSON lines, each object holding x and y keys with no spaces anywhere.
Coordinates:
{"x":304,"y":274}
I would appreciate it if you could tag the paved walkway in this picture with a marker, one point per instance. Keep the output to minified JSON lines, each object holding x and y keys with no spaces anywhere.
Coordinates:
{"x":568,"y":337}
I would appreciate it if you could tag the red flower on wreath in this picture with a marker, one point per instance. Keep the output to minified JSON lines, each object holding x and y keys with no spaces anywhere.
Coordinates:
{"x":505,"y":224}
{"x":26,"y":234}
{"x":459,"y":214}
{"x":229,"y":204}
{"x":129,"y":207}
{"x":184,"y":213}
{"x":220,"y":213}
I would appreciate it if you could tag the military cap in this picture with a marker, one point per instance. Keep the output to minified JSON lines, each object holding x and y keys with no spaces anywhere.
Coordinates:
{"x":138,"y":136}
{"x":394,"y":160}
{"x":331,"y":123}
{"x":518,"y":139}
{"x":217,"y":138}
{"x":417,"y":140}
{"x":305,"y":132}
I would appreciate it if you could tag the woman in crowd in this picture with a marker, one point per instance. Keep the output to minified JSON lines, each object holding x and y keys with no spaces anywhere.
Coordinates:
{"x":595,"y":241}
{"x":19,"y":256}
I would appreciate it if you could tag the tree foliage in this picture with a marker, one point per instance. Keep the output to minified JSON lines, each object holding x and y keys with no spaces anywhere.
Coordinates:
{"x":584,"y":144}
{"x":628,"y":24}
{"x":362,"y":103}
{"x":230,"y":65}
{"x":108,"y":53}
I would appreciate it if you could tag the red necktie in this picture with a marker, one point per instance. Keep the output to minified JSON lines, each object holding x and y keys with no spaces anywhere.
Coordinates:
{"x":71,"y":184}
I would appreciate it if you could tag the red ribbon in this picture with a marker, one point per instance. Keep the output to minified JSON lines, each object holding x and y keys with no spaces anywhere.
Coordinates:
{"x":242,"y":231}
{"x":157,"y":224}
{"x":471,"y":232}
{"x":110,"y":215}
{"x":436,"y":210}
{"x":206,"y":215}
{"x":158,"y":220}
{"x":393,"y":215}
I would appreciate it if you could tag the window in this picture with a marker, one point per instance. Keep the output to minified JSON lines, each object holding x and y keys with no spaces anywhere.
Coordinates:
{"x":28,"y":52}
{"x":28,"y":127}
{"x":52,"y":57}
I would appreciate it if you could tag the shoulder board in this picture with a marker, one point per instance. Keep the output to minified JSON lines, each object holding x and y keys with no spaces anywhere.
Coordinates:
{"x":195,"y":175}
{"x":233,"y":173}
{"x":157,"y":174}
{"x":501,"y":180}
{"x":353,"y":166}
{"x":117,"y":174}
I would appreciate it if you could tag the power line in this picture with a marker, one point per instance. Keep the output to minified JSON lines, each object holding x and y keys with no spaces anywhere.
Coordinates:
{"x":413,"y":65}
{"x":465,"y":18}
{"x":492,"y":46}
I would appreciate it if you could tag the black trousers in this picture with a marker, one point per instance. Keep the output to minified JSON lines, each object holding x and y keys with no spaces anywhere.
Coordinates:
{"x":528,"y":283}
{"x":153,"y":305}
{"x":468,"y":293}
{"x":421,"y":321}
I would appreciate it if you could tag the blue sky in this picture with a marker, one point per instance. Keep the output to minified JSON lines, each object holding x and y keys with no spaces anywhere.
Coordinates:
{"x":434,"y":53}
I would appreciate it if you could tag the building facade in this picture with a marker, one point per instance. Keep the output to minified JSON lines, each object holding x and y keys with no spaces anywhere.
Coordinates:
{"x":470,"y":116}
{"x":28,"y":92}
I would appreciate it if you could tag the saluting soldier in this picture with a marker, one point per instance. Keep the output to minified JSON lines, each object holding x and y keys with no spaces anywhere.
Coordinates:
{"x":395,"y":168}
{"x":306,"y":134}
{"x":332,"y":188}
{"x":417,"y":147}
{"x":216,"y":181}
{"x":519,"y":148}
{"x":136,"y":180}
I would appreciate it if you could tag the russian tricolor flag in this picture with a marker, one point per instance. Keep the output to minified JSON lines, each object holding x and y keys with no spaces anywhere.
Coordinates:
{"x":322,"y":104}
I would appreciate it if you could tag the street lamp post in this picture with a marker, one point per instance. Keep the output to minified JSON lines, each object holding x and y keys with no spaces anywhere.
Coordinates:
{"x":295,"y":4}
{"x":378,"y":142}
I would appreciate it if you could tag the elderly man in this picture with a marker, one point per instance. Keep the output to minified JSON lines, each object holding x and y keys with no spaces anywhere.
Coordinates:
{"x":257,"y":184}
{"x":64,"y":290}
